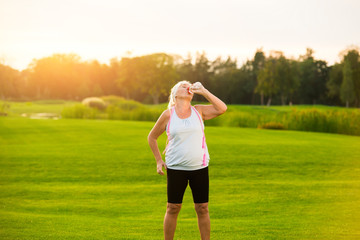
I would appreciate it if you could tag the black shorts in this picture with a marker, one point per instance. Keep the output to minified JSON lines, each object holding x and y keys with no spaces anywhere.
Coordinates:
{"x":177,"y":181}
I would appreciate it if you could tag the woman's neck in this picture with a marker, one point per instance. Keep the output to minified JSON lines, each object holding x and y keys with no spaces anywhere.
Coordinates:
{"x":182,"y":105}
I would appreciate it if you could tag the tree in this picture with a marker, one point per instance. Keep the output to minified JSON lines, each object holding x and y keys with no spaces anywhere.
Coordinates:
{"x":352,"y":58}
{"x":9,"y":82}
{"x":286,"y":72}
{"x":186,"y":69}
{"x":126,"y":79}
{"x":313,"y":76}
{"x":224,"y":80}
{"x":257,"y":65}
{"x":347,"y":93}
{"x":268,"y":82}
{"x":157,"y":75}
{"x":202,"y":73}
{"x":57,"y":76}
{"x":334,"y":83}
{"x":295,"y":80}
{"x":152,"y":74}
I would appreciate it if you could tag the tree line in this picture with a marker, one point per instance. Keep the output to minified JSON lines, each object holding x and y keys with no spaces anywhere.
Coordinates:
{"x":272,"y":79}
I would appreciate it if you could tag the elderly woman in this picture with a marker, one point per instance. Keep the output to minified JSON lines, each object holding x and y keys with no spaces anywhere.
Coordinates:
{"x":187,"y":157}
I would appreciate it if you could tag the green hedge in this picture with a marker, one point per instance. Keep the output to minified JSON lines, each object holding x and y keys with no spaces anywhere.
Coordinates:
{"x":337,"y":120}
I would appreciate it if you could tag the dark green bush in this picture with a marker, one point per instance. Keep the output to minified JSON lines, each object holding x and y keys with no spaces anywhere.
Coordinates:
{"x":271,"y":125}
{"x":80,"y":111}
{"x":95,"y":102}
{"x":122,"y":103}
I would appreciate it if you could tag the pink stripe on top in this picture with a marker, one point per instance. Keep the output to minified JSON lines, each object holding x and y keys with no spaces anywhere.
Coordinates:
{"x":203,"y":140}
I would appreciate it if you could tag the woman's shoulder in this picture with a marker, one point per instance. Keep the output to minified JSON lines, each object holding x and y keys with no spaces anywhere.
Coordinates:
{"x":163,"y":119}
{"x":166,"y":113}
{"x":165,"y":116}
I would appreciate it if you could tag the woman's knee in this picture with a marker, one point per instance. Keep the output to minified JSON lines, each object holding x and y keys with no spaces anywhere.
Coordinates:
{"x":173,"y":208}
{"x":201,"y":208}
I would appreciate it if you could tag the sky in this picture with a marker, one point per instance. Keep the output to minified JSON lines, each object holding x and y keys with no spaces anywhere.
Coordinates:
{"x":105,"y":29}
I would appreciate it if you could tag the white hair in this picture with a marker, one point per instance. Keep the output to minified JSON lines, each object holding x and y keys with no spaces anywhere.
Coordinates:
{"x":173,"y":93}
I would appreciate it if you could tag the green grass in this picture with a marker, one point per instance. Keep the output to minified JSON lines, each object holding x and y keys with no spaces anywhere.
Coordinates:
{"x":96,"y":179}
{"x":41,"y":106}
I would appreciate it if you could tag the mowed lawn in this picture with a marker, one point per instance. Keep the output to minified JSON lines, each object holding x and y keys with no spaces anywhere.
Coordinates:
{"x":96,"y":179}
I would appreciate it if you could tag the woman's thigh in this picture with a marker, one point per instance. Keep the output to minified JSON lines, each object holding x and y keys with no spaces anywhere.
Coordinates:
{"x":177,"y":182}
{"x":199,"y":184}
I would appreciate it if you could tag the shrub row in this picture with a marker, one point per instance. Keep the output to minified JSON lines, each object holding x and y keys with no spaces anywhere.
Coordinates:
{"x":331,"y":121}
{"x":314,"y":120}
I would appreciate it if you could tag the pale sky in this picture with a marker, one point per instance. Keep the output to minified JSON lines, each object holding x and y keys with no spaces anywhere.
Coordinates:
{"x":104,"y":29}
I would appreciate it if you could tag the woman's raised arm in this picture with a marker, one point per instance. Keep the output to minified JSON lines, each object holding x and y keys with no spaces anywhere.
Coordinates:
{"x":216,"y":108}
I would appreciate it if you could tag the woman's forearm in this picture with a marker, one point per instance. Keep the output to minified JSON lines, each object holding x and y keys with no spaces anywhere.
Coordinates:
{"x":155,"y":149}
{"x":215,"y":101}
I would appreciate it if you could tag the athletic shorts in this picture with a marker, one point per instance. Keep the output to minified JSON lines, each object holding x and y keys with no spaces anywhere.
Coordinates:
{"x":177,"y":181}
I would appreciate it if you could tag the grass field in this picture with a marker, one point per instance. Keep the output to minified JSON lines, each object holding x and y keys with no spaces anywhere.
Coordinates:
{"x":96,"y":179}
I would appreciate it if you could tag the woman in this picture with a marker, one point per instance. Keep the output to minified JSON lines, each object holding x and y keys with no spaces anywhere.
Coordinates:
{"x":186,"y":157}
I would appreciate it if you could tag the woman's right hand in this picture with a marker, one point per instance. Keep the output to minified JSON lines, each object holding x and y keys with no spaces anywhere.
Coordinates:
{"x":197,"y":88}
{"x":160,"y":164}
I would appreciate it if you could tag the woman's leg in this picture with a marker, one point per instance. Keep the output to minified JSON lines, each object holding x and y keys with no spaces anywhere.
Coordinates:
{"x":202,"y":212}
{"x":172,"y":211}
{"x":199,"y":183}
{"x":176,"y":185}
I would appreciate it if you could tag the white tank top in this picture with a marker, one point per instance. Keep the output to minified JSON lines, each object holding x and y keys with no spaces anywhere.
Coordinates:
{"x":184,"y":150}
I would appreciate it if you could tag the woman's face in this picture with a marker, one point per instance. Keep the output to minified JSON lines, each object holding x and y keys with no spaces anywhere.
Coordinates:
{"x":183,"y":92}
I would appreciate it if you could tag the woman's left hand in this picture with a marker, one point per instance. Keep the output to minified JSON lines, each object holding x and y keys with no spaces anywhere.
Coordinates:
{"x":198,"y":88}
